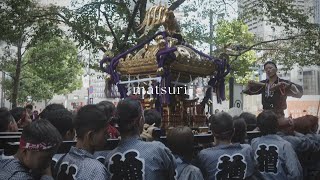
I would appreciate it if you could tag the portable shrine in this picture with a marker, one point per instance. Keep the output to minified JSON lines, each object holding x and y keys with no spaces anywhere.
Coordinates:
{"x":160,"y":69}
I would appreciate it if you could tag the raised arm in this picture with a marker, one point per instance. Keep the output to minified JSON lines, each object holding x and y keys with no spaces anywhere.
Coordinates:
{"x":290,"y":88}
{"x":254,"y":87}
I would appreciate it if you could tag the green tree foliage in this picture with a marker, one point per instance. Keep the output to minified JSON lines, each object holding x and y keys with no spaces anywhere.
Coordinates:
{"x":196,"y":14}
{"x":116,"y":22}
{"x":51,"y":67}
{"x":298,"y":43}
{"x":107,"y":22}
{"x":23,"y":25}
{"x":231,"y":35}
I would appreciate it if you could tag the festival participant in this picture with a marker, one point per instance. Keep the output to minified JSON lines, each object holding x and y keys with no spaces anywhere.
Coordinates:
{"x":21,"y":116}
{"x":226,"y":160}
{"x":50,"y":107}
{"x":38,"y":143}
{"x":180,"y":141}
{"x":109,"y":109}
{"x":274,"y":90}
{"x":152,"y":122}
{"x":250,"y":119}
{"x":300,"y":142}
{"x":240,"y":130}
{"x":35,"y":115}
{"x":7,"y":123}
{"x":275,"y":156}
{"x":152,"y":117}
{"x":62,"y":120}
{"x":29,"y":109}
{"x":79,"y":162}
{"x":134,"y":158}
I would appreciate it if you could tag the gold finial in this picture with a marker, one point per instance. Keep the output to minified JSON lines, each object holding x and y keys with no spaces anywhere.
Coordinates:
{"x":129,"y":56}
{"x":160,"y":71}
{"x":146,"y":46}
{"x":108,"y":77}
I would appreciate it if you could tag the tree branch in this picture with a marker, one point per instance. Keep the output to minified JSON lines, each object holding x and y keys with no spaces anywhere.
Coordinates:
{"x":7,"y":73}
{"x":267,"y":49}
{"x":131,"y":21}
{"x":105,"y":2}
{"x":91,"y":40}
{"x":25,"y":77}
{"x":143,"y":7}
{"x":111,"y":29}
{"x":142,"y":13}
{"x":26,"y":63}
{"x":23,"y":51}
{"x":265,"y":42}
{"x":176,"y":4}
{"x":225,"y":7}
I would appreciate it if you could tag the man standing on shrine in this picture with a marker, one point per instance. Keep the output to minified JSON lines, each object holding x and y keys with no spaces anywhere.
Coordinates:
{"x":274,"y":90}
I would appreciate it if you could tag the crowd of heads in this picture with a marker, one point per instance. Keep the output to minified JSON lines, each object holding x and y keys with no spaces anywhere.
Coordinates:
{"x":90,"y":125}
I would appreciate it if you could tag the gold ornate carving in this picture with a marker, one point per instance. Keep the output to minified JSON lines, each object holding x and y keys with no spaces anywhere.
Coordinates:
{"x":159,"y":15}
{"x":144,"y":61}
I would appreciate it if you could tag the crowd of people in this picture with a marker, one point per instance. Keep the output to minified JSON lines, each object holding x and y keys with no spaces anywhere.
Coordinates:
{"x":277,"y":154}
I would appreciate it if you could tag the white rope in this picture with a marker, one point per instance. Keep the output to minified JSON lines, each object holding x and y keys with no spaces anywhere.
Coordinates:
{"x":140,"y":80}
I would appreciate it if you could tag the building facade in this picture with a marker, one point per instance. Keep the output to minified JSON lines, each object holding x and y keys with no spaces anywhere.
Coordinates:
{"x":317,"y":11}
{"x":265,"y":30}
{"x":308,"y":77}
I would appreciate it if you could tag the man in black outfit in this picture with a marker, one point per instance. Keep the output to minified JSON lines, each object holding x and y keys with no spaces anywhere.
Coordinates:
{"x":274,"y":90}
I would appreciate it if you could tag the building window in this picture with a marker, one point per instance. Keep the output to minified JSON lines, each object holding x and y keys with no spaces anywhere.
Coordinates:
{"x":307,"y":73}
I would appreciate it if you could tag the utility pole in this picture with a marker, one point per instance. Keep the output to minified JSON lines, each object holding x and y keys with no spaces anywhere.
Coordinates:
{"x":2,"y":89}
{"x":89,"y":88}
{"x":211,"y":108}
{"x":211,"y":32}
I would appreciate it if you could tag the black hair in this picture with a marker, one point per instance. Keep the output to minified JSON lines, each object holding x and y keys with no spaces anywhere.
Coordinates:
{"x":240,"y":130}
{"x":180,"y":141}
{"x":267,"y":122}
{"x":250,"y":119}
{"x":17,"y":113}
{"x":50,"y":107}
{"x":152,"y":116}
{"x":5,"y":119}
{"x":107,"y":107}
{"x":222,"y":125}
{"x":29,"y":106}
{"x":128,"y":110}
{"x":269,"y":62}
{"x":42,"y":131}
{"x":61,"y":119}
{"x":89,"y":118}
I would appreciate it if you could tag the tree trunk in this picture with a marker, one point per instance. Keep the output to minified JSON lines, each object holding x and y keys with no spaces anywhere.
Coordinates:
{"x":16,"y":79}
